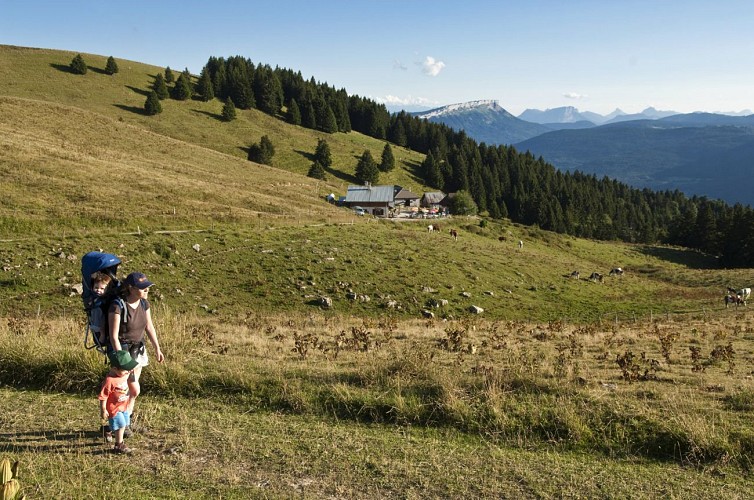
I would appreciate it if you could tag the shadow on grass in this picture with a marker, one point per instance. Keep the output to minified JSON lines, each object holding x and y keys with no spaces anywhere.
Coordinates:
{"x":689,"y":258}
{"x":54,"y":442}
{"x":309,"y":156}
{"x":143,"y":92}
{"x":211,"y":115}
{"x":414,"y":171}
{"x":99,"y":71}
{"x":62,"y":67}
{"x":132,"y":109}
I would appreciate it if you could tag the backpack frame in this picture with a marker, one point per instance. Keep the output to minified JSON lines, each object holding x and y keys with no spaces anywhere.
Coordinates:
{"x":92,"y":263}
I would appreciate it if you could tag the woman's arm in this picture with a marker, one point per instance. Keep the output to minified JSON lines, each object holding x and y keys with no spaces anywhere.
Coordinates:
{"x":152,"y":334}
{"x":114,"y":322}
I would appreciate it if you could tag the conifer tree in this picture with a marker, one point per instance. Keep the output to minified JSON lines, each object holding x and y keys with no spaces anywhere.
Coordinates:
{"x":182,"y":90}
{"x":169,"y":77}
{"x":262,"y":152}
{"x":205,"y":88}
{"x":111,"y":67}
{"x":322,"y":153}
{"x":268,"y":150}
{"x":152,"y":106}
{"x":78,"y":66}
{"x":366,"y":169}
{"x":388,"y":160}
{"x":229,"y":110}
{"x":293,"y":114}
{"x":160,"y":88}
{"x":317,"y":171}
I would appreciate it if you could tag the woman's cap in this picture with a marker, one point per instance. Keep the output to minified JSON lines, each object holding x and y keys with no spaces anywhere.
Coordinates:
{"x":139,"y":280}
{"x":123,"y":360}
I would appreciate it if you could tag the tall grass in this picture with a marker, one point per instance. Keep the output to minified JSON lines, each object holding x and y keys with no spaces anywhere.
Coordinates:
{"x":505,"y":393}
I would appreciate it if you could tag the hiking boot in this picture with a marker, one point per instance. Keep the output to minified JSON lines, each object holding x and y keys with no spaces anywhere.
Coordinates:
{"x":121,"y":449}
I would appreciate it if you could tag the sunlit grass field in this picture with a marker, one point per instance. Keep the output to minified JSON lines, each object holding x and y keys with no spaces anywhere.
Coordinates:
{"x":639,"y":386}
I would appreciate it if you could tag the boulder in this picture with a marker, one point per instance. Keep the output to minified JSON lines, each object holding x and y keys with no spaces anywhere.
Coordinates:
{"x":476,"y":310}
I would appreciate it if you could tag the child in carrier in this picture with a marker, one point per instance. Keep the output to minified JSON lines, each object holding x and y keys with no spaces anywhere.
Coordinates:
{"x":97,"y":320}
{"x":114,"y":397}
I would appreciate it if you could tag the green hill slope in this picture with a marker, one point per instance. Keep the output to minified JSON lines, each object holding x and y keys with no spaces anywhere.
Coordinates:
{"x":42,"y":74}
{"x":81,"y":168}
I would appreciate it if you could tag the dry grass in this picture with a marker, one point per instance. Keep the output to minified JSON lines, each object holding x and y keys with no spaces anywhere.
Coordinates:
{"x":274,"y":405}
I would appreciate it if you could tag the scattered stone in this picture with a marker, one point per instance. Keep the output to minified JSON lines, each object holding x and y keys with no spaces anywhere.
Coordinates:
{"x":466,"y":294}
{"x":428,"y":289}
{"x":428,"y":314}
{"x":490,"y":293}
{"x":78,"y":288}
{"x":196,"y":247}
{"x":325,"y":302}
{"x":392,"y":304}
{"x":476,"y":310}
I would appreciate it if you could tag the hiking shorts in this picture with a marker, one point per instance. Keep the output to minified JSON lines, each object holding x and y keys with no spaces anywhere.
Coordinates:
{"x":120,"y":420}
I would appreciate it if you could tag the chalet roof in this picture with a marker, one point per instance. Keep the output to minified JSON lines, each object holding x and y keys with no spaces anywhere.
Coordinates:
{"x":433,"y":198}
{"x":405,"y":194}
{"x":369,"y":194}
{"x":446,"y":201}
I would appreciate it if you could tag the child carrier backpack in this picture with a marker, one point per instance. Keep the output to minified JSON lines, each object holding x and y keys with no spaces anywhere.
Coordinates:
{"x":96,"y":307}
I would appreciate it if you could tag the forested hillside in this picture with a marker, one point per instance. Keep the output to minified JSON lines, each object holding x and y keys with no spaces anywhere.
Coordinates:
{"x":502,"y":181}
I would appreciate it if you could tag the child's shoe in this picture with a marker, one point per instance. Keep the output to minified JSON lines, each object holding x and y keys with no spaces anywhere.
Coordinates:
{"x":121,"y":449}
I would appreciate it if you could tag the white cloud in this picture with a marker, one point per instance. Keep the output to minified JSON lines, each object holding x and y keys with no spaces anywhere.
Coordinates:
{"x":432,"y":67}
{"x":575,"y":96}
{"x":406,"y":101}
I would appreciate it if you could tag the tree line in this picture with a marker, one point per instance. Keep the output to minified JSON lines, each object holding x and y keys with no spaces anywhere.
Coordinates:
{"x":503,"y":182}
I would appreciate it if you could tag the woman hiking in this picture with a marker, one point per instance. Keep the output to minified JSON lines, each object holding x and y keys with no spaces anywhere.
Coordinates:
{"x":128,"y":322}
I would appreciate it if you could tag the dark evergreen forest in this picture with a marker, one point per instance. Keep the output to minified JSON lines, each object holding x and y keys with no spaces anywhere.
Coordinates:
{"x":502,"y":181}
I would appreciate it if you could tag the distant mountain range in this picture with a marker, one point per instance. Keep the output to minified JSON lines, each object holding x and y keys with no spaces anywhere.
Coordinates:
{"x":707,"y":154}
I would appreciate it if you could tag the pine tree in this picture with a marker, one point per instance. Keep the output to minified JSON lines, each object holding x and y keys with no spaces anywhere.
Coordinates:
{"x":262,"y":152}
{"x":159,"y":87}
{"x":293,"y":114}
{"x":366,"y":169}
{"x":182,"y":90}
{"x":152,"y":106}
{"x":229,"y":110}
{"x":78,"y":66}
{"x":317,"y":171}
{"x":204,"y":88}
{"x":169,"y":77}
{"x":268,"y":150}
{"x":388,"y":161}
{"x":322,"y":153}
{"x":111,"y":67}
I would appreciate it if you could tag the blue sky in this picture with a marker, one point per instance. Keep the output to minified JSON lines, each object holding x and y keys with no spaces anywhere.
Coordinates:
{"x":595,"y":55}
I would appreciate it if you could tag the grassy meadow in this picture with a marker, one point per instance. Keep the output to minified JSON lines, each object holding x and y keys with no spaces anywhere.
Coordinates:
{"x":636,"y":387}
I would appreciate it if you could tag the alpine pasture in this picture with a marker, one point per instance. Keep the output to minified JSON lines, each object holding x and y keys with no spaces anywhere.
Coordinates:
{"x":639,"y":386}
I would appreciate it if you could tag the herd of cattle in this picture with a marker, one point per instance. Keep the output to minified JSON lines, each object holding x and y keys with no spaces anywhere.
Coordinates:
{"x":597,"y":277}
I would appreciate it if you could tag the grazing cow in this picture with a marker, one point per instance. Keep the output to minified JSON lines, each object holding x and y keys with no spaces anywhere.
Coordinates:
{"x":501,"y":238}
{"x":744,"y":293}
{"x":520,"y":244}
{"x":617,"y":271}
{"x":454,"y":234}
{"x":575,"y":275}
{"x":430,"y":228}
{"x":732,"y":298}
{"x":596,"y":277}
